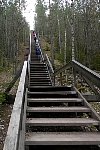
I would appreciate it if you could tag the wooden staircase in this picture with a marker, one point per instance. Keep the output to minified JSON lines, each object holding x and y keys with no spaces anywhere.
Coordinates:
{"x":45,"y":116}
{"x":57,"y":115}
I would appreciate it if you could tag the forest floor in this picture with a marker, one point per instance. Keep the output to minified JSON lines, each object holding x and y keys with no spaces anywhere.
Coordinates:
{"x":6,"y":76}
{"x":5,"y":108}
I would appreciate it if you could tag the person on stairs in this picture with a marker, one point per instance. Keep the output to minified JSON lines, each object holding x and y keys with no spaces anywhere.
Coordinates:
{"x":34,"y":35}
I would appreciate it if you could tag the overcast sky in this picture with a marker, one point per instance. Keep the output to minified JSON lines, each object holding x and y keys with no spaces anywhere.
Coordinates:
{"x":30,"y":12}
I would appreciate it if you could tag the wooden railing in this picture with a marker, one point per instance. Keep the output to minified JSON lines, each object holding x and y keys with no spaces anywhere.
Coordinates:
{"x":49,"y":64}
{"x":50,"y":68}
{"x":92,"y":78}
{"x":15,"y":135}
{"x":87,"y":73}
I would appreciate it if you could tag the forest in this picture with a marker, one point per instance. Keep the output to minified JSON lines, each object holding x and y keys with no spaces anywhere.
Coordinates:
{"x":64,"y":25}
{"x":70,"y":29}
{"x":68,"y":25}
{"x":67,"y":30}
{"x":14,"y":33}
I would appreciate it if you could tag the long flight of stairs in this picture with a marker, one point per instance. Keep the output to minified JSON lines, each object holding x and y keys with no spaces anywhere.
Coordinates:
{"x":39,"y":75}
{"x":56,"y":115}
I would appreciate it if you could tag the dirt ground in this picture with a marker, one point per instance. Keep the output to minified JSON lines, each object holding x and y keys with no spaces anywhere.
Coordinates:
{"x":5,"y":113}
{"x":5,"y":109}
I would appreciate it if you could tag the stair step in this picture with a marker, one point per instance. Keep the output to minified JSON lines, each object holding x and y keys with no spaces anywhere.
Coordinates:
{"x":55,"y":92}
{"x":39,"y":78}
{"x":62,"y":138}
{"x":39,"y":75}
{"x":37,"y":64}
{"x":46,"y":72}
{"x":58,"y":109}
{"x":40,"y":84}
{"x":53,"y":88}
{"x":62,"y":100}
{"x":35,"y":61}
{"x":39,"y":71}
{"x":38,"y":68}
{"x":61,"y":122}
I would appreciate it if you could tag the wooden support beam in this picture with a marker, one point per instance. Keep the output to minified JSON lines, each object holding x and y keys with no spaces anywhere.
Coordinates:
{"x":11,"y":84}
{"x":65,"y":67}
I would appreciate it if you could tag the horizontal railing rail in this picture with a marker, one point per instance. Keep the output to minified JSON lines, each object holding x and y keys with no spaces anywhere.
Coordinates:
{"x":50,"y":68}
{"x":87,"y":73}
{"x":49,"y":64}
{"x":15,"y":126}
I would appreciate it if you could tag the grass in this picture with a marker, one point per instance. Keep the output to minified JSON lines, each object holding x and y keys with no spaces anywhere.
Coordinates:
{"x":2,"y":98}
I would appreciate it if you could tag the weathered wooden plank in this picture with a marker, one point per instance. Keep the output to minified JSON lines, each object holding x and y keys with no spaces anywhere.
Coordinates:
{"x":55,"y":100}
{"x":40,"y":84}
{"x":58,"y":109}
{"x":40,"y":66}
{"x":12,"y":138}
{"x":91,"y":98}
{"x":38,"y":75}
{"x":61,"y":122}
{"x":63,"y":138}
{"x":55,"y":92}
{"x":39,"y":78}
{"x":53,"y":88}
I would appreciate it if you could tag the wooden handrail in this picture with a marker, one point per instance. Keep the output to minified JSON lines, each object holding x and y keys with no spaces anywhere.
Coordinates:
{"x":13,"y":134}
{"x":49,"y":63}
{"x":87,"y":73}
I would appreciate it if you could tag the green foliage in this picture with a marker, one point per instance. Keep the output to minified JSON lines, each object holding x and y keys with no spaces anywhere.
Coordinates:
{"x":57,"y":27}
{"x":14,"y":31}
{"x":59,"y":57}
{"x":2,"y":98}
{"x":96,"y":62}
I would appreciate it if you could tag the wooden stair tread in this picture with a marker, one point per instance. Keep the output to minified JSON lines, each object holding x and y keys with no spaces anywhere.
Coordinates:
{"x":52,"y":88}
{"x":38,"y":64}
{"x":39,"y":77}
{"x":55,"y":92}
{"x":54,"y":100}
{"x":58,"y":109}
{"x":39,"y":81}
{"x":62,"y":138}
{"x":61,"y":121}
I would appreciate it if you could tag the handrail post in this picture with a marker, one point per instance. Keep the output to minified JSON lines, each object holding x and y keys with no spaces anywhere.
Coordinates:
{"x":61,"y":78}
{"x":74,"y":76}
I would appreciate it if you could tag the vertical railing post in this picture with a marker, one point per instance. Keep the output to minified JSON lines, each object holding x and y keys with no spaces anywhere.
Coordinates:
{"x":61,"y":78}
{"x":74,"y":76}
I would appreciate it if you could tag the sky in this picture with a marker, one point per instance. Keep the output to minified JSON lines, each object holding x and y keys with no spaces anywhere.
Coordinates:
{"x":29,"y":12}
